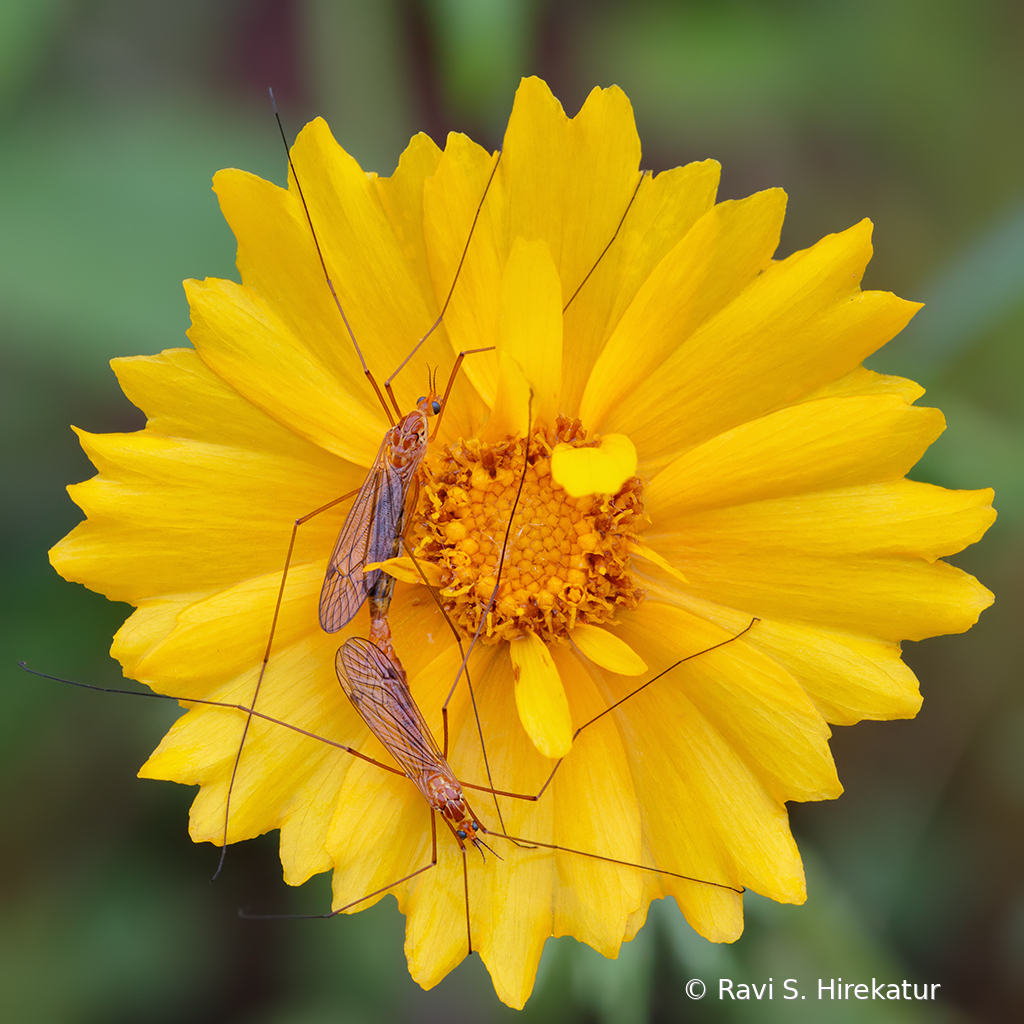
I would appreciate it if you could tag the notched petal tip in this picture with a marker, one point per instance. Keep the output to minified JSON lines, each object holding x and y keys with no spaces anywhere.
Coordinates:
{"x":600,"y":470}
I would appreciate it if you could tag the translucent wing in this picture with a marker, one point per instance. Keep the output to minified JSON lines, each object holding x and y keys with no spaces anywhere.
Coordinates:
{"x":369,"y":534}
{"x":379,"y":692}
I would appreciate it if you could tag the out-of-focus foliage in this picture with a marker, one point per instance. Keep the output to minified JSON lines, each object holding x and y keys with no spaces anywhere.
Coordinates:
{"x":114,"y":114}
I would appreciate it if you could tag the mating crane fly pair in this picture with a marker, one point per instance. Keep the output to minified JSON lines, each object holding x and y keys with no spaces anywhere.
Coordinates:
{"x":369,"y":670}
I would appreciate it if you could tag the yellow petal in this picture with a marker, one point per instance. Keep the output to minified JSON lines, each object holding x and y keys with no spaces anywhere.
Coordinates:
{"x":510,"y":900}
{"x":451,"y":204}
{"x":860,"y":381}
{"x":540,"y":697}
{"x":573,"y":178}
{"x":710,"y":809}
{"x":388,"y":299}
{"x":595,"y":811}
{"x":239,"y":337}
{"x":201,"y":747}
{"x":662,"y":211}
{"x":513,"y":404}
{"x":401,"y":195}
{"x":530,"y":328}
{"x":183,"y":398}
{"x":600,"y":470}
{"x":903,"y":517}
{"x":380,"y":832}
{"x":652,"y":556}
{"x":813,"y":446}
{"x":721,"y":254}
{"x":753,"y":702}
{"x":801,"y":323}
{"x":405,"y":569}
{"x":858,"y":559}
{"x":278,"y":260}
{"x":849,"y":678}
{"x":157,"y":497}
{"x":156,"y":501}
{"x":607,"y":650}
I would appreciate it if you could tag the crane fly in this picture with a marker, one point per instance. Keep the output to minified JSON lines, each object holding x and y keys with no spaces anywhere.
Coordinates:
{"x":374,"y":525}
{"x":377,"y":687}
{"x":375,"y":683}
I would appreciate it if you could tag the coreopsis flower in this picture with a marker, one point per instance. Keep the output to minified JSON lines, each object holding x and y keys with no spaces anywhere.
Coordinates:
{"x":680,"y":431}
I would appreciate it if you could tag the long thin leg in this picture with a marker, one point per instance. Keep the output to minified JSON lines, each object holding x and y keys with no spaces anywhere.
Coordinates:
{"x":614,"y":860}
{"x":523,"y":841}
{"x":266,"y":658}
{"x":604,"y":251}
{"x":501,"y":562}
{"x":243,"y":708}
{"x":465,"y":889}
{"x":451,"y":381}
{"x":458,"y":272}
{"x":622,"y":220}
{"x":608,"y":710}
{"x":327,"y":276}
{"x":463,"y":668}
{"x":469,"y":683}
{"x":362,"y":899}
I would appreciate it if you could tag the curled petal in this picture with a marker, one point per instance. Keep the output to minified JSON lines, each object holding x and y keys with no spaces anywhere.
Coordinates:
{"x":600,"y":470}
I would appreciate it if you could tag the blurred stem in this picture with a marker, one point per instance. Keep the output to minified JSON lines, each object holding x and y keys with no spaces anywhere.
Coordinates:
{"x":483,"y":47}
{"x":358,"y":71}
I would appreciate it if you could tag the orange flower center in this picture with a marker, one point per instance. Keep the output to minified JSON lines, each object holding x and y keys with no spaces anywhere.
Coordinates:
{"x":566,"y":560}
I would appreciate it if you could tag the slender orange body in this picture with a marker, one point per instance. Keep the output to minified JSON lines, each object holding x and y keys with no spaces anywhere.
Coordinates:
{"x":375,"y":683}
{"x":373,"y":527}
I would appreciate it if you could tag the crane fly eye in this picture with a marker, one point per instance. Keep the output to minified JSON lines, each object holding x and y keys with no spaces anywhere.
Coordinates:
{"x":475,"y":826}
{"x":436,"y":406}
{"x":461,"y":833}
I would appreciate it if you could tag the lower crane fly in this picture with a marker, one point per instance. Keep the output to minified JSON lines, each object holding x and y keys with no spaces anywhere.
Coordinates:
{"x":377,"y":687}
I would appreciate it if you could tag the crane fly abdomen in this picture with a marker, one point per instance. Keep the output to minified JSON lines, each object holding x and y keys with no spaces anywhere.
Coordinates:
{"x":376,"y":685}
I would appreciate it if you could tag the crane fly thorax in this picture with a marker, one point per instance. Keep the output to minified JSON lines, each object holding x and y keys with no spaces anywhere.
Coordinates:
{"x":408,"y":442}
{"x":446,"y":795}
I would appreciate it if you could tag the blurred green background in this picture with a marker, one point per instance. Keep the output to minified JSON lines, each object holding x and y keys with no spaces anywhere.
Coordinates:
{"x":115,"y":114}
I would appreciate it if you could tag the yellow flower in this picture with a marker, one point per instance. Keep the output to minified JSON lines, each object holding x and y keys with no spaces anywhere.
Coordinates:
{"x":769,"y":481}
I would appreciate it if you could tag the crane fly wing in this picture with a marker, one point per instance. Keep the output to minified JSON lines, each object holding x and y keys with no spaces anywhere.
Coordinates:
{"x":369,"y":534}
{"x":379,"y":692}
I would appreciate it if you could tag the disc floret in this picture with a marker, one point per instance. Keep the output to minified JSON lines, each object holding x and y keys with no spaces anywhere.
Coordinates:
{"x":566,"y":561}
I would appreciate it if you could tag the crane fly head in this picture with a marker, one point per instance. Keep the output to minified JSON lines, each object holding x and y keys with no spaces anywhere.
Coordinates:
{"x":430,"y":403}
{"x":449,"y":800}
{"x":468,"y":831}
